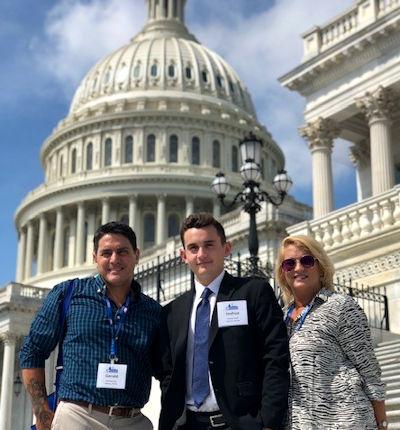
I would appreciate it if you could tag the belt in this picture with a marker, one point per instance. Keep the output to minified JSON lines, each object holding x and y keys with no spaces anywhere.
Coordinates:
{"x":115,"y":411}
{"x":213,"y":419}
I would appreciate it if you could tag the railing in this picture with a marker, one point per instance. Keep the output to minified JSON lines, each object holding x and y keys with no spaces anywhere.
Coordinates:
{"x":367,"y":219}
{"x":354,"y":19}
{"x":170,"y":277}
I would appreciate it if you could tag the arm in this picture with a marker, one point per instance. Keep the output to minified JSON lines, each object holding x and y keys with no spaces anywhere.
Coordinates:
{"x":34,"y":381}
{"x":355,"y":340}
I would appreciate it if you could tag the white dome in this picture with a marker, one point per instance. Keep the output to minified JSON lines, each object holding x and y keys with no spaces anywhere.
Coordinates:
{"x":163,"y":57}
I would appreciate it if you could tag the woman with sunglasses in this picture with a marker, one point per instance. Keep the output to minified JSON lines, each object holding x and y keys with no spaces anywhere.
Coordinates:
{"x":336,"y":380}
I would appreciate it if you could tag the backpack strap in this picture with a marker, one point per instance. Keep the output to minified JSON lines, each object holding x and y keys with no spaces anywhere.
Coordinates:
{"x":68,"y":292}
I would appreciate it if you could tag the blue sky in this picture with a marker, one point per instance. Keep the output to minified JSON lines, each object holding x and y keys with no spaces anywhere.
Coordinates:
{"x":47,"y":46}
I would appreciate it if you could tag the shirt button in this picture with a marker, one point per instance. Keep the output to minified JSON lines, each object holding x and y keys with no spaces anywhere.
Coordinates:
{"x":118,"y":317}
{"x":210,"y":363}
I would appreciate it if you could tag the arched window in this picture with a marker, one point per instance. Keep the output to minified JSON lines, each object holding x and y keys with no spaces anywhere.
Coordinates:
{"x":151,"y":148}
{"x":173,"y":149}
{"x":128,"y":149}
{"x":149,"y":230}
{"x":204,"y":75}
{"x":231,"y":87}
{"x":189,"y":72}
{"x":216,"y":151}
{"x":73,"y":161}
{"x":89,"y":156}
{"x":173,"y":225}
{"x":195,"y":150}
{"x":235,"y":159}
{"x":108,"y":152}
{"x":61,"y":166}
{"x":220,"y":81}
{"x":171,"y":71}
{"x":153,"y":70}
{"x":136,"y":71}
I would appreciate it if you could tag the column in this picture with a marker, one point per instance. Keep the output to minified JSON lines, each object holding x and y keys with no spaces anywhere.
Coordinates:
{"x":29,"y":251}
{"x":216,"y":208}
{"x":133,"y":212}
{"x":90,"y":233}
{"x":19,"y":276}
{"x":320,"y":135}
{"x":80,"y":234}
{"x":58,"y":239}
{"x":105,"y":211}
{"x":42,"y":244}
{"x":171,"y":9}
{"x":161,"y":221}
{"x":360,"y":157}
{"x":72,"y":242}
{"x":189,"y":206}
{"x":7,"y":381}
{"x":378,"y":107}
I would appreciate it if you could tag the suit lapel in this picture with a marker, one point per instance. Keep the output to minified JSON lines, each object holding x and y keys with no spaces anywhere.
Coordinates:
{"x":182,"y":313}
{"x":225,"y":293}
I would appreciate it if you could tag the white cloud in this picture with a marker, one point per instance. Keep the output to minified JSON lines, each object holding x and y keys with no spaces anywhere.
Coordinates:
{"x":78,"y":34}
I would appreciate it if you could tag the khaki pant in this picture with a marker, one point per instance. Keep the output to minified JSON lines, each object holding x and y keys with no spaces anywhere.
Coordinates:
{"x":74,"y":417}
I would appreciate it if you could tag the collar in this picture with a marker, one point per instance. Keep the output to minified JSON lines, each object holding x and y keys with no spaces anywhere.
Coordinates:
{"x":101,"y":287}
{"x":321,"y":297}
{"x":213,"y":285}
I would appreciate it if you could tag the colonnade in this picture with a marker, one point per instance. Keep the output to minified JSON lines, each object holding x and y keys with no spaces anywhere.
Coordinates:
{"x":378,"y":108}
{"x":43,"y":240}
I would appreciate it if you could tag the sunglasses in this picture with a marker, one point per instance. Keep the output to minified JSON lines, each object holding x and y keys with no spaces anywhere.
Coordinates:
{"x":306,"y":261}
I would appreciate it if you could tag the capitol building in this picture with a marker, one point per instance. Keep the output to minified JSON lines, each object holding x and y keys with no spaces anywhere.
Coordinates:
{"x":153,"y":122}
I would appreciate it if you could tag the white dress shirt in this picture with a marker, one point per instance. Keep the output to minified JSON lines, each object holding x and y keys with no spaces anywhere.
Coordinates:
{"x":210,"y":403}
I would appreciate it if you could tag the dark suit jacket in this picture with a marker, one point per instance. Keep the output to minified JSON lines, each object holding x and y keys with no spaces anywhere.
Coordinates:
{"x":248,"y":364}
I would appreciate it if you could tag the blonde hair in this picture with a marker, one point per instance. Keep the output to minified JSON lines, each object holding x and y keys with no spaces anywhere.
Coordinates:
{"x":312,"y":247}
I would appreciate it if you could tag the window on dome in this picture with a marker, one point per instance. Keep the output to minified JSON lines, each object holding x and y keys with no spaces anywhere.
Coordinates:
{"x":196,"y":151}
{"x":171,"y":71}
{"x":189,"y":72}
{"x":149,"y":230}
{"x":128,"y":149}
{"x":151,"y":148}
{"x":173,"y":225}
{"x":173,"y":149}
{"x":136,"y":71}
{"x":216,"y":153}
{"x":89,"y":156}
{"x":231,"y":87}
{"x":235,"y":159}
{"x":107,"y":76}
{"x":61,"y":166}
{"x":108,"y":152}
{"x":220,"y":81}
{"x":204,"y":75}
{"x":153,"y":70}
{"x":73,"y":161}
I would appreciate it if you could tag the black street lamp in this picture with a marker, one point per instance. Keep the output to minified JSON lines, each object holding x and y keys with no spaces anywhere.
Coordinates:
{"x":251,"y":196}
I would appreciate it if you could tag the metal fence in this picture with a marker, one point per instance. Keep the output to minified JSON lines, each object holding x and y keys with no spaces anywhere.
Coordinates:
{"x":170,"y":277}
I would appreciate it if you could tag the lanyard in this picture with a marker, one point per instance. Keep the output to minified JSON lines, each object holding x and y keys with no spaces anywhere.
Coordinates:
{"x":303,"y":316}
{"x":116,"y":327}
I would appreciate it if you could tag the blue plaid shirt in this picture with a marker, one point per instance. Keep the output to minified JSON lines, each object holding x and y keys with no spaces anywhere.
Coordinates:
{"x":88,"y":339}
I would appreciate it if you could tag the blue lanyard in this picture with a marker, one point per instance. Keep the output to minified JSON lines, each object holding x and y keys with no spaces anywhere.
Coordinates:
{"x":303,"y":317}
{"x":116,"y":327}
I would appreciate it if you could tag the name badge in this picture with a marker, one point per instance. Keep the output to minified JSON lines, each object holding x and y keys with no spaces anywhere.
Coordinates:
{"x":111,"y":376}
{"x":232,"y":313}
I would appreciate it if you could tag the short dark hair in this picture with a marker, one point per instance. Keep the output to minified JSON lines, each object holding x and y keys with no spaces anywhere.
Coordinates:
{"x":114,"y":228}
{"x":200,"y":220}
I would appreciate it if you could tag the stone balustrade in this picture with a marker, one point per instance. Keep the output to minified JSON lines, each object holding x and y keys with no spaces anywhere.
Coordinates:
{"x":363,"y":13}
{"x":366,"y":219}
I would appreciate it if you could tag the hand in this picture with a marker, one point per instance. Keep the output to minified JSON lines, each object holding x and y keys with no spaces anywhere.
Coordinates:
{"x":44,"y":419}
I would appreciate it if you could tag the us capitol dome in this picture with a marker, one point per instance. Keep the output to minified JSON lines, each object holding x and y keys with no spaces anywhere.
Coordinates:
{"x":148,"y":128}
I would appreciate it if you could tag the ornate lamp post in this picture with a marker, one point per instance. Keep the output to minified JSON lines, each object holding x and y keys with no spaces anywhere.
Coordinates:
{"x":251,"y":196}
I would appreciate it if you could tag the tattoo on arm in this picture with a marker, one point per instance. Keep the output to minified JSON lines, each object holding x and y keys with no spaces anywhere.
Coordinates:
{"x":37,"y":391}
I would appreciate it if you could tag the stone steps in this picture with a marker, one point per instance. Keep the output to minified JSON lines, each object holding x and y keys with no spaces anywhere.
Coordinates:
{"x":388,"y":354}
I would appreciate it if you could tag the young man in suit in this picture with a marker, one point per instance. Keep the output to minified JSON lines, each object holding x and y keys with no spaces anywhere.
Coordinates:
{"x":229,"y":350}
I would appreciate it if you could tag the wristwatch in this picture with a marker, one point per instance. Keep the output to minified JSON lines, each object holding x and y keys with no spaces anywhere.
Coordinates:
{"x":382,"y":425}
